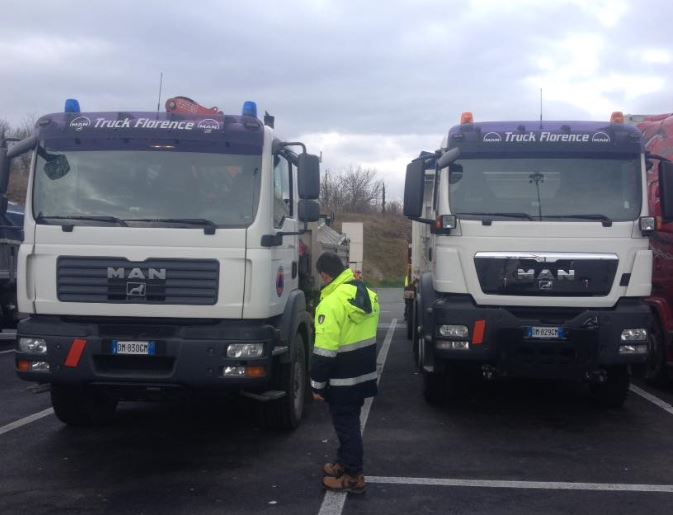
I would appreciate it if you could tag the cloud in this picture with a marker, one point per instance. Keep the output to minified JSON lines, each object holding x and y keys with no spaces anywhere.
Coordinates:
{"x":384,"y":79}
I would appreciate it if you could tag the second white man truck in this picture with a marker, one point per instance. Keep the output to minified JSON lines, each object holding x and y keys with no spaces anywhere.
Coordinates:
{"x":530,"y":254}
{"x":166,"y":252}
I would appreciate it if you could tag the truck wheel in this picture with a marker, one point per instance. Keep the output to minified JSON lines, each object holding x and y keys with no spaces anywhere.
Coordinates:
{"x":612,"y":393}
{"x":409,"y":318}
{"x":655,"y":370}
{"x":286,"y":412}
{"x":433,"y":387}
{"x":416,"y":338}
{"x":82,"y":406}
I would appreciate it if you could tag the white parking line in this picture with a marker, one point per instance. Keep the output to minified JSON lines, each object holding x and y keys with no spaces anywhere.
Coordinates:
{"x":333,"y":502}
{"x":652,"y":398}
{"x":26,"y":420}
{"x":525,"y":485}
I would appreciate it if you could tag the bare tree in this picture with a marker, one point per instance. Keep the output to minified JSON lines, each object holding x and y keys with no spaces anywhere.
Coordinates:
{"x":18,"y":178}
{"x":354,"y":190}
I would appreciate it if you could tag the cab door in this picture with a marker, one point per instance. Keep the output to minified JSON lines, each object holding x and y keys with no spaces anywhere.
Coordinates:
{"x":284,"y":260}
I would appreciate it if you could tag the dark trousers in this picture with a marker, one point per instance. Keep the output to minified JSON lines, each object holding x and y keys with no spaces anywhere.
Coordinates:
{"x":346,"y":421}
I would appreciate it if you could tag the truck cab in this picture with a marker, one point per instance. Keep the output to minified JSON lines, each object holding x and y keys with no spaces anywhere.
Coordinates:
{"x":531,"y":255}
{"x":161,"y":254}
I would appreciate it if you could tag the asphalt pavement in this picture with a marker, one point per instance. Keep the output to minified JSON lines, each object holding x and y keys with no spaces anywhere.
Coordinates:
{"x":515,"y":447}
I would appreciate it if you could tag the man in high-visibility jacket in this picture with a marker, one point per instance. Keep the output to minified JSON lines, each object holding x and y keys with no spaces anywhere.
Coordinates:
{"x":343,"y":365}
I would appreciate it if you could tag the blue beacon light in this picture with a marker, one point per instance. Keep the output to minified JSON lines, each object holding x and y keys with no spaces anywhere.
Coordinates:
{"x":71,"y":105}
{"x":249,"y":109}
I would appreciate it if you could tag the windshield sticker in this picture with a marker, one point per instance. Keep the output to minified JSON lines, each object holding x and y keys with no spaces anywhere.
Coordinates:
{"x":82,"y":122}
{"x":79,"y":123}
{"x":545,"y":137}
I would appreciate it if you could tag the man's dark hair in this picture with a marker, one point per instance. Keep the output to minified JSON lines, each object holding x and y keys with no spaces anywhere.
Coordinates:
{"x":330,"y":264}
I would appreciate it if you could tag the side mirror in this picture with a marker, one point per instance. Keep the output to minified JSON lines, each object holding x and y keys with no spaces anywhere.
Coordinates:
{"x":309,"y":210}
{"x":447,"y":158}
{"x":414,"y":185}
{"x":308,"y":176}
{"x":666,"y":190}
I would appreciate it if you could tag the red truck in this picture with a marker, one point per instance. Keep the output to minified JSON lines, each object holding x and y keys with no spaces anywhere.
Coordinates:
{"x":658,"y":136}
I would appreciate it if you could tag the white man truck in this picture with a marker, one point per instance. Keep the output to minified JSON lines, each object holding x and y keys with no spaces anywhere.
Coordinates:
{"x":530,"y":254}
{"x":165,"y":252}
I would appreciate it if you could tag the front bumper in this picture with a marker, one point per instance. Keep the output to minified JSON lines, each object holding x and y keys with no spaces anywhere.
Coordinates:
{"x":589,"y":340}
{"x":190,"y":354}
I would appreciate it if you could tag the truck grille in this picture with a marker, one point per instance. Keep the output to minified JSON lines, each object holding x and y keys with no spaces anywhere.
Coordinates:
{"x":546,"y":274}
{"x":155,"y":281}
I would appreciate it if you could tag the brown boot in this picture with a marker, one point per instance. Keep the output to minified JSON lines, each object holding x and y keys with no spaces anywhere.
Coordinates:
{"x":333,"y":469}
{"x":346,"y":483}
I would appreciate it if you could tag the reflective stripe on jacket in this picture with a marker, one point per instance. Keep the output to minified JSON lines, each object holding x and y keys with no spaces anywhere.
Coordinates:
{"x":343,"y":364}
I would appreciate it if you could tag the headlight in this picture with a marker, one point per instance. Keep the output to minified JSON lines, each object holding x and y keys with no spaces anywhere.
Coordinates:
{"x":245,"y":350}
{"x":33,"y":345}
{"x":453,"y":331}
{"x":634,"y":335}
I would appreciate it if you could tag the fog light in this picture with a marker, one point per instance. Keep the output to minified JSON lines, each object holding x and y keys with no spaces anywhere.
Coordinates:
{"x":633,"y":349}
{"x":33,"y":345}
{"x":24,"y":365}
{"x":453,"y":331}
{"x":452,"y":345}
{"x":634,"y":335}
{"x":444,"y":345}
{"x":255,"y":372}
{"x":39,"y":366}
{"x":245,"y":350}
{"x":233,"y":372}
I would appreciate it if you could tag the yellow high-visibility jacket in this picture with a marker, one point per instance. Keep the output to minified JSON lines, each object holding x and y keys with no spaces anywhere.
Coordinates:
{"x":343,"y":364}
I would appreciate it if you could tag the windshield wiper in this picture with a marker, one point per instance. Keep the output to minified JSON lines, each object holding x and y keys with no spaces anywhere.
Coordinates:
{"x":607,"y":222}
{"x":95,"y":218}
{"x":525,"y":216}
{"x":208,"y":225}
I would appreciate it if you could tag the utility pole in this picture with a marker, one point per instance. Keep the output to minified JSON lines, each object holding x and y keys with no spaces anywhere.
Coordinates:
{"x":383,"y":200}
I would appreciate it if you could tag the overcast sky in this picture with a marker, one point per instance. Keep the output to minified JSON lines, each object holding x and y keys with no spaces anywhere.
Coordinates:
{"x":367,"y":83}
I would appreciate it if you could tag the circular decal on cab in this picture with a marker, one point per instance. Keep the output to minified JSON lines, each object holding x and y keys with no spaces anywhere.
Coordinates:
{"x":280,"y":281}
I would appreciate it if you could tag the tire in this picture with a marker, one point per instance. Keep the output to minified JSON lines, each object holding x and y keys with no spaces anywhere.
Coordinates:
{"x":286,"y":412}
{"x":433,"y":388}
{"x":82,"y":406}
{"x":655,"y":370}
{"x":409,"y":318}
{"x":613,"y":392}
{"x":417,"y":337}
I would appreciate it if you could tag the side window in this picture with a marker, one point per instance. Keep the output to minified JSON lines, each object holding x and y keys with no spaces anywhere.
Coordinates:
{"x":282,"y":193}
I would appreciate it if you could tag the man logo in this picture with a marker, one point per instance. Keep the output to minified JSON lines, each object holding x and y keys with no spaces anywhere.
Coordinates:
{"x":79,"y":123}
{"x":208,"y":125}
{"x":600,"y":137}
{"x":545,"y":284}
{"x":136,"y":289}
{"x":492,"y":137}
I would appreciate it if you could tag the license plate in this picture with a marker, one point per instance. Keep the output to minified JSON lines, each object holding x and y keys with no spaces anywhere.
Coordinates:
{"x":557,"y":333}
{"x":134,"y":347}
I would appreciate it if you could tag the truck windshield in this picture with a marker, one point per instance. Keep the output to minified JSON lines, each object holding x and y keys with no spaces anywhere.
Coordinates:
{"x":144,"y":187}
{"x":578,"y":189}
